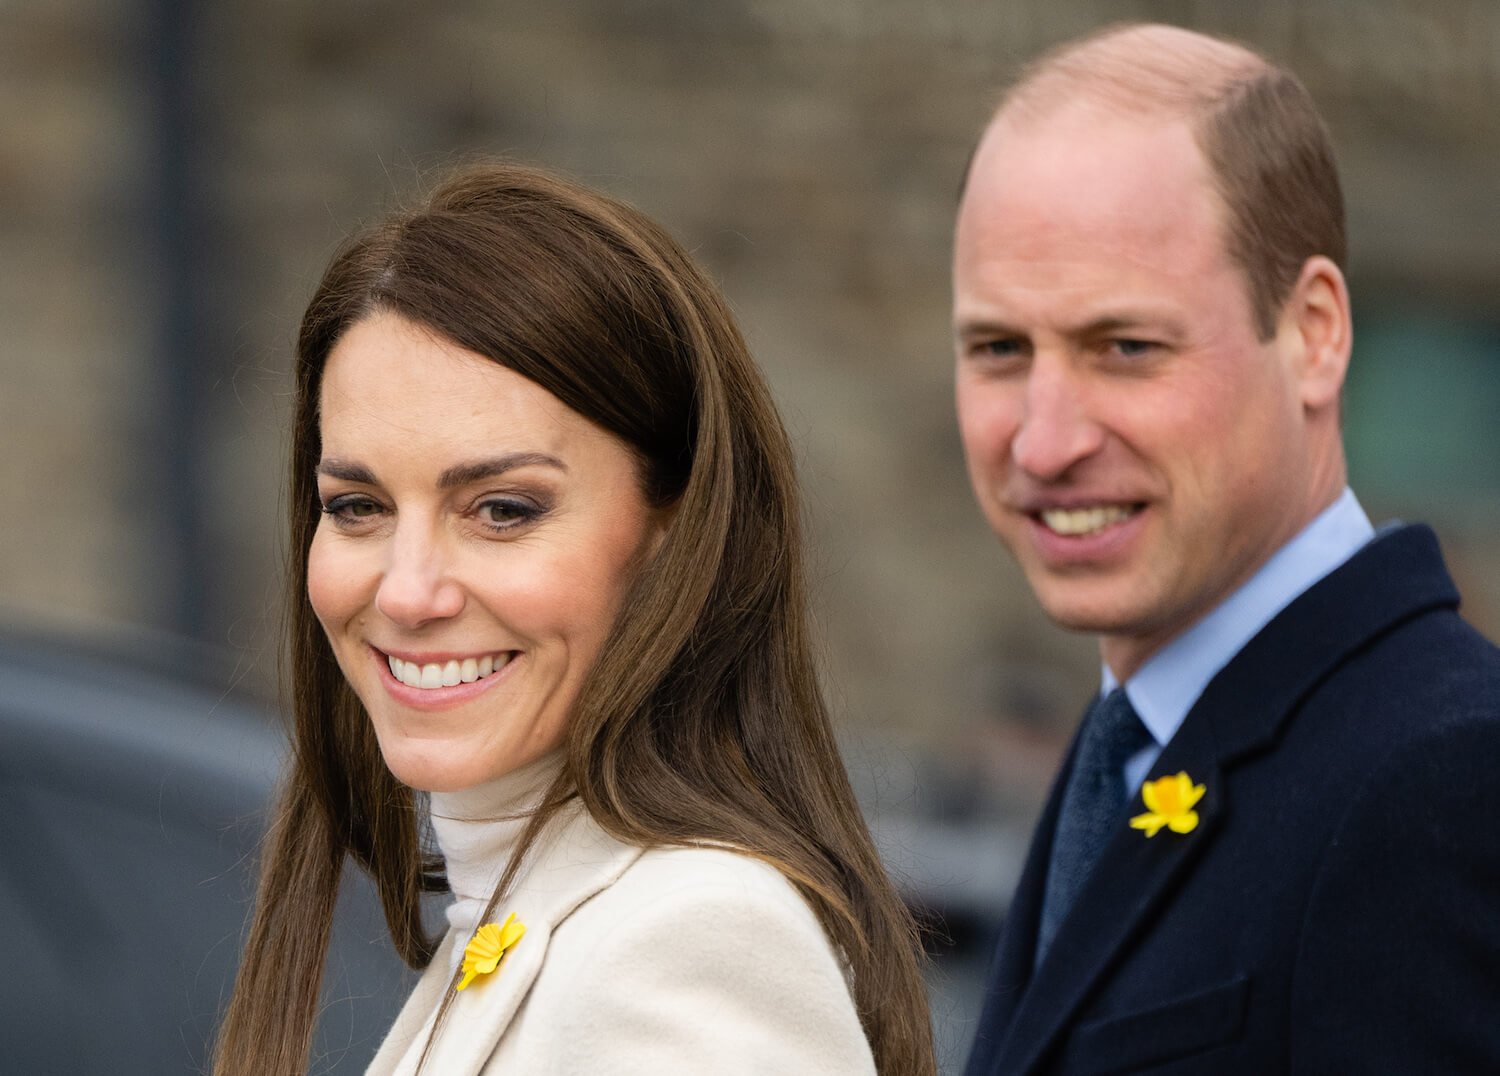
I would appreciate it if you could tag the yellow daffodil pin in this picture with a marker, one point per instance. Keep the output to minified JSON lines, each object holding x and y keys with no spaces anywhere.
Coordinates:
{"x":1169,"y":802}
{"x":488,"y":947}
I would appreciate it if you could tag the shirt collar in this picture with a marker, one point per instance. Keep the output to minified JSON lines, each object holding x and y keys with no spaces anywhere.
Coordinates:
{"x":1164,"y":689}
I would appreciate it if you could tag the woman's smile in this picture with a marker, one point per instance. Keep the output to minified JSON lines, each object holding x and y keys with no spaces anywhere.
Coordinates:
{"x":437,"y":674}
{"x":431,"y":685}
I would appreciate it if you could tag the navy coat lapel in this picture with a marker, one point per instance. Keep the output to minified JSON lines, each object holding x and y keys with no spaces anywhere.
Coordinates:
{"x":1397,"y":576}
{"x":1134,"y":876}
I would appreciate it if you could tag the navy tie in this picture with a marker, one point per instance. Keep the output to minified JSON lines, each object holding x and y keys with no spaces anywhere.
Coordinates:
{"x":1091,"y":805}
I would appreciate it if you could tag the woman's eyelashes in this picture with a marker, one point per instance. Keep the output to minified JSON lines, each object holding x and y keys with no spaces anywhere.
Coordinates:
{"x":496,"y":514}
{"x":351,"y":509}
{"x":500,"y":514}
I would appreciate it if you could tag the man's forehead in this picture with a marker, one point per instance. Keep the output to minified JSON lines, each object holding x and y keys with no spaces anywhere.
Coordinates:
{"x":1088,"y":173}
{"x":1029,"y":111}
{"x":1087,"y":124}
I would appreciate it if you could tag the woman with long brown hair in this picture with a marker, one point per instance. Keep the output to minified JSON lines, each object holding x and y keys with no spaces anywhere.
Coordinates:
{"x":549,"y":651}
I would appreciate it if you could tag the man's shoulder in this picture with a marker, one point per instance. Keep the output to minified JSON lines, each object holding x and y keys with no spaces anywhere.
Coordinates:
{"x":1437,"y":659}
{"x":1367,"y":659}
{"x":1425,"y":689}
{"x":1393,"y":601}
{"x":1424,"y":641}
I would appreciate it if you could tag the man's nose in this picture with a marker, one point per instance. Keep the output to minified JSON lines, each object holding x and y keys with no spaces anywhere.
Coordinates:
{"x":1057,"y":427}
{"x":418,"y":585}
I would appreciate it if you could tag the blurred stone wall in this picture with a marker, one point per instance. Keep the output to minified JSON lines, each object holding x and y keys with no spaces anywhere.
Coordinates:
{"x":808,"y":153}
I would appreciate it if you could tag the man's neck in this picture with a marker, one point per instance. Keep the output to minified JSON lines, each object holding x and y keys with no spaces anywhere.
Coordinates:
{"x":1124,"y":655}
{"x":1164,"y":685}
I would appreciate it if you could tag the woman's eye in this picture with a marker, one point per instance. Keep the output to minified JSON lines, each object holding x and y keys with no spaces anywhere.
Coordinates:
{"x":503,"y":513}
{"x":351,"y":508}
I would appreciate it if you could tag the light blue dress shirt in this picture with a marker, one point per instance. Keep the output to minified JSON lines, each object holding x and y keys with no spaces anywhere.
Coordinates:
{"x":1165,"y":688}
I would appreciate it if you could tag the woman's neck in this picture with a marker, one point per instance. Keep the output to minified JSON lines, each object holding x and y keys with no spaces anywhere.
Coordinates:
{"x":477,"y":830}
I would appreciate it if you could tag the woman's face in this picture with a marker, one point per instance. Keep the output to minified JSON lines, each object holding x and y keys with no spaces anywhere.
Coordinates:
{"x":477,"y":539}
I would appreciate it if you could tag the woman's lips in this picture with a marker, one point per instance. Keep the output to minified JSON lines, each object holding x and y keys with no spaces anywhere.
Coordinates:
{"x":451,"y":673}
{"x":395,"y":673}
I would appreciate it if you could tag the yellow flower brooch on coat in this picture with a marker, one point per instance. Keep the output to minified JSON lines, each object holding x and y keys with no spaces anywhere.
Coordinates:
{"x":488,"y":947}
{"x":1169,"y":802}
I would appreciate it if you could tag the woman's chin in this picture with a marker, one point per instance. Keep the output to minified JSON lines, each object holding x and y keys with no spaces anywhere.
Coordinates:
{"x":443,"y":770}
{"x":439,"y":766}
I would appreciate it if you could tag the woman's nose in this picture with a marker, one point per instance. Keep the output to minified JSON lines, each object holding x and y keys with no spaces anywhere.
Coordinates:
{"x":418,"y":585}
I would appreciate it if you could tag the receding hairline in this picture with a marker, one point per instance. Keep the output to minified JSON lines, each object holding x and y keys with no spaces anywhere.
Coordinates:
{"x":1149,"y":71}
{"x":1135,"y":68}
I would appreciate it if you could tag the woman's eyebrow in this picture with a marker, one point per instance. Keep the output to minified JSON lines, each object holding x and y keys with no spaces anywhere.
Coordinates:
{"x":458,"y":475}
{"x":464,"y":473}
{"x":348,"y":472}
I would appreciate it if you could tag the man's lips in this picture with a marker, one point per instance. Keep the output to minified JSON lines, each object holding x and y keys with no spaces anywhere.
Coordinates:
{"x":1082,"y":534}
{"x":1078,"y":521}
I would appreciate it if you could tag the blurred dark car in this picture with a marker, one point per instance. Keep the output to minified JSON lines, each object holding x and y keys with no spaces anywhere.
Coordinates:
{"x":134,"y":787}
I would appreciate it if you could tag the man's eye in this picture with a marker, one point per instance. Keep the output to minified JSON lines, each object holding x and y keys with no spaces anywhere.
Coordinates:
{"x":1007,"y":347}
{"x":1134,"y":349}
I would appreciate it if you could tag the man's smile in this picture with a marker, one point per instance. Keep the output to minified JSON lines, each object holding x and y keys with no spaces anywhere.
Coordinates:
{"x":1085,"y":520}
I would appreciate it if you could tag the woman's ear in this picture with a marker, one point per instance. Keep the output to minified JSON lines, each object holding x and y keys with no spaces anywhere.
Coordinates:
{"x":658,"y":525}
{"x":1318,"y":332}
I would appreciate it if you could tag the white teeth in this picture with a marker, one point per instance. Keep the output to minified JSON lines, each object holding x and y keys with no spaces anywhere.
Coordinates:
{"x":1076,"y":521}
{"x":448,"y":674}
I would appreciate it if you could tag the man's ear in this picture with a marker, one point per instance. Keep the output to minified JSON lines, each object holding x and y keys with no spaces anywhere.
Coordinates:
{"x":1316,"y":326}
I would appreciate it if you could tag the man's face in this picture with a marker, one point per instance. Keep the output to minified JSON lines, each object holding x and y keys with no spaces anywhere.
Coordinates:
{"x":1129,"y":438}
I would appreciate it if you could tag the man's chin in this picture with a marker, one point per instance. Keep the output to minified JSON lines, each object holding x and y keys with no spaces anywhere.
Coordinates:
{"x":1090,"y":614}
{"x":1083,"y":623}
{"x":1128,"y":633}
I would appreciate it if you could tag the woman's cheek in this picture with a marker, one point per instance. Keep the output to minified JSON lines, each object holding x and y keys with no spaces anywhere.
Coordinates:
{"x":332,"y":583}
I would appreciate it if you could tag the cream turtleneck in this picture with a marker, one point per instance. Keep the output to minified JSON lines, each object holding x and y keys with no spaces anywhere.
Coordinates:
{"x":477,"y":830}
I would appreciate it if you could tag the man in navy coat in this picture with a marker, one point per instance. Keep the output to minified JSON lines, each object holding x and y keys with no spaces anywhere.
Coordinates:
{"x":1275,"y":844}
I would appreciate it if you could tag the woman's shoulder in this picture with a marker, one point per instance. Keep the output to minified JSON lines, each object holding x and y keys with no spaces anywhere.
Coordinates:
{"x":707,"y":869}
{"x":698,"y":889}
{"x":691,"y":956}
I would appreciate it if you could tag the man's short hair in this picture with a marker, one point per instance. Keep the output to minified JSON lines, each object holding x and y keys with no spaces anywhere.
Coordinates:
{"x":1267,"y":148}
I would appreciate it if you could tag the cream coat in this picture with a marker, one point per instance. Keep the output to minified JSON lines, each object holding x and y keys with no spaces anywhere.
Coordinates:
{"x":683,"y":960}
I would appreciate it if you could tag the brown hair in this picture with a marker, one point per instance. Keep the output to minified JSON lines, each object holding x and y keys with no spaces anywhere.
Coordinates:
{"x":702,"y":719}
{"x":1267,"y":148}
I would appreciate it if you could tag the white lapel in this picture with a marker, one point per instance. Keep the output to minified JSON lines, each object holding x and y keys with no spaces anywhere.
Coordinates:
{"x":573,"y":861}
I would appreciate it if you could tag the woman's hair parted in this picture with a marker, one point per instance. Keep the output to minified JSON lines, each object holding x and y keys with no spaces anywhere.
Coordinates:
{"x":702,"y":719}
